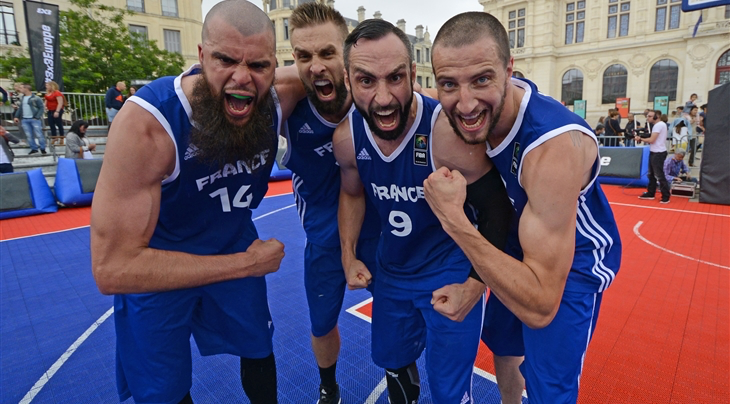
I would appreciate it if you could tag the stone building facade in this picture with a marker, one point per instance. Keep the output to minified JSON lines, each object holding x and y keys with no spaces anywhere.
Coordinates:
{"x":602,"y":50}
{"x":280,"y":10}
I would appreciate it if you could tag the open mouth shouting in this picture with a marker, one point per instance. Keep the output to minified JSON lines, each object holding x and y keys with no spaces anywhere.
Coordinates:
{"x":386,"y":119}
{"x":239,"y":105}
{"x":473,"y":122}
{"x":325,"y":89}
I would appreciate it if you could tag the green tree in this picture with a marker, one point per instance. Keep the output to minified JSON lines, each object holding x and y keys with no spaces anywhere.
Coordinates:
{"x":97,"y":50}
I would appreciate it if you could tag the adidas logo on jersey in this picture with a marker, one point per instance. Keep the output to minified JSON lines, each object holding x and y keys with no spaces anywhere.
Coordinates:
{"x":306,"y":129}
{"x":465,"y":399}
{"x":363,"y":155}
{"x":191,"y":152}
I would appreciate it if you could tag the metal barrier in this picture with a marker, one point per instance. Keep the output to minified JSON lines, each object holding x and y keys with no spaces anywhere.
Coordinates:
{"x":87,"y":106}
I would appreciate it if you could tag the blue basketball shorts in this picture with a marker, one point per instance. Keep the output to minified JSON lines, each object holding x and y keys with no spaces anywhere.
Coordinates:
{"x":325,"y":283}
{"x":154,"y":362}
{"x":554,"y":355}
{"x":404,"y":323}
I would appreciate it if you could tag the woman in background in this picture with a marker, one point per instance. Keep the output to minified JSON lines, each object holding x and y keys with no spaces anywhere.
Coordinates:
{"x":77,"y":145}
{"x":54,"y":105}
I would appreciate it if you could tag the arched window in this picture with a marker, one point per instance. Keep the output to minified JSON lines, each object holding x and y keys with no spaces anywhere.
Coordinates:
{"x":572,"y":86}
{"x":663,"y":80}
{"x":517,"y":74}
{"x":722,"y":72}
{"x":614,"y":84}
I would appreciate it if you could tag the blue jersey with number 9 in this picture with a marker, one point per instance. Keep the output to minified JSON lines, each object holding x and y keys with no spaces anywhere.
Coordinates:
{"x":413,"y":244}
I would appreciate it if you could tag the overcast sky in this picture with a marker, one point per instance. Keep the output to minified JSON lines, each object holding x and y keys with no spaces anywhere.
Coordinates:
{"x":429,"y":13}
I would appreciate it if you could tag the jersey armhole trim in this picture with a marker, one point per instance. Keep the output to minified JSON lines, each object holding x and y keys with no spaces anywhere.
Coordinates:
{"x":166,"y":125}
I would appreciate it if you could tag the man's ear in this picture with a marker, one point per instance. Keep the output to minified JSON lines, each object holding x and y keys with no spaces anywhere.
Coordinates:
{"x":347,"y":81}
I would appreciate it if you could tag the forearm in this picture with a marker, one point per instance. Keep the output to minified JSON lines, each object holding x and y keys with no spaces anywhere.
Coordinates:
{"x":512,"y":281}
{"x":350,"y":215}
{"x":145,"y":270}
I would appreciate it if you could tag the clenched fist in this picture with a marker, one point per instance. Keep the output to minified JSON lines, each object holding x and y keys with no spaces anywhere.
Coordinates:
{"x":265,"y":256}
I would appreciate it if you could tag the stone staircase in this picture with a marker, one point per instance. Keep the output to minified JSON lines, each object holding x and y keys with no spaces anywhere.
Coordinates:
{"x":47,"y":163}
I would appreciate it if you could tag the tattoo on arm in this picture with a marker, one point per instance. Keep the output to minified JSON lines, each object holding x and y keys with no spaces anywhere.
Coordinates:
{"x":576,"y":137}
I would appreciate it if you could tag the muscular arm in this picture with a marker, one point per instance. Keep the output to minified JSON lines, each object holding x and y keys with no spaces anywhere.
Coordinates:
{"x":552,"y":175}
{"x":125,"y":211}
{"x":289,"y":88}
{"x":351,"y":211}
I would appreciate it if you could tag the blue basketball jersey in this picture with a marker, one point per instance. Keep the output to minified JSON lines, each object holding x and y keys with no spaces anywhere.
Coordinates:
{"x":316,"y":176}
{"x":205,"y":209}
{"x":413,"y":244}
{"x":597,"y":242}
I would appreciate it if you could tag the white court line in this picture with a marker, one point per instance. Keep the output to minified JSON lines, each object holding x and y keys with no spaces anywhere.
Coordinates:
{"x":353,"y":310}
{"x":30,"y":395}
{"x":81,"y":227}
{"x":33,"y":392}
{"x":668,"y":209}
{"x":380,"y":388}
{"x":43,"y":234}
{"x":636,"y":231}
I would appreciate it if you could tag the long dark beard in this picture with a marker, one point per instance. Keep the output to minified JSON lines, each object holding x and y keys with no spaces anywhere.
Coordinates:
{"x":492,"y":123}
{"x":220,"y":141}
{"x":329,"y":107}
{"x":390,"y":134}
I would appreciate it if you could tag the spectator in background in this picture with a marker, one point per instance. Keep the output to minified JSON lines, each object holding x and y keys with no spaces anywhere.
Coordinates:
{"x":691,"y":103}
{"x":694,"y":123}
{"x":132,"y":90}
{"x":676,"y":170}
{"x":114,"y":100}
{"x":6,"y":154}
{"x":30,"y":114}
{"x":4,"y":95}
{"x":631,"y":125}
{"x":657,"y":155}
{"x":77,"y":145}
{"x":600,"y":133}
{"x":613,"y":128}
{"x":54,"y":104}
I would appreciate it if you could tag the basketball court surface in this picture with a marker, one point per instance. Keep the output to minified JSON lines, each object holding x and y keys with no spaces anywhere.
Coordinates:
{"x":663,"y":335}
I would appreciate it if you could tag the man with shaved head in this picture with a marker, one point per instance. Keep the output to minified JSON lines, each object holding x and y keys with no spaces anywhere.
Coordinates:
{"x":172,"y":236}
{"x":564,"y":248}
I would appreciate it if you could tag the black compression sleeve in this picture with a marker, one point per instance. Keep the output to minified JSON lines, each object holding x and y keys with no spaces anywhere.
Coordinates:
{"x":488,"y":197}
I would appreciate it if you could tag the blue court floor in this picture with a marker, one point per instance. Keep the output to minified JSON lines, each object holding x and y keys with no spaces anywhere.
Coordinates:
{"x":57,"y":332}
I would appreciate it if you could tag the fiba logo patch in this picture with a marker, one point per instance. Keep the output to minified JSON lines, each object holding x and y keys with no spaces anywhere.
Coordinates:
{"x":420,"y":149}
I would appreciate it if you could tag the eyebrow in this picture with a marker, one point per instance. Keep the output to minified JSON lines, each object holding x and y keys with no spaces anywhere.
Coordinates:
{"x":398,"y":68}
{"x":480,"y":73}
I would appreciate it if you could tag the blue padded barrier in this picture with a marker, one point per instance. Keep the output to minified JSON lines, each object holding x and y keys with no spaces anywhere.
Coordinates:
{"x":31,"y":192}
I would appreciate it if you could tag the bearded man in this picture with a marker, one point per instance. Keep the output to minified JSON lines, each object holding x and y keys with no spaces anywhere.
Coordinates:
{"x":172,"y":236}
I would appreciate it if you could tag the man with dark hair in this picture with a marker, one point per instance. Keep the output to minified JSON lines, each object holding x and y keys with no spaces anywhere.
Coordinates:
{"x":182,"y":256}
{"x":390,"y":143}
{"x":317,"y":35}
{"x":564,"y":248}
{"x":657,"y":154}
{"x":30,"y":115}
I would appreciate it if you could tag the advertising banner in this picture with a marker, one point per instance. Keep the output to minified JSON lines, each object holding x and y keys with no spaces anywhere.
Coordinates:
{"x":579,"y":107}
{"x":41,"y":20}
{"x":662,"y":104}
{"x":623,"y":105}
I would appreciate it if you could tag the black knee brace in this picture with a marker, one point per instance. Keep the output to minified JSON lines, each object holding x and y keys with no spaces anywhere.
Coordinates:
{"x":404,"y":385}
{"x":258,"y":378}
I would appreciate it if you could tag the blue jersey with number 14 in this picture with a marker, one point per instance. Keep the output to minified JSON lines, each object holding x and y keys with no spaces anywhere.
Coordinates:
{"x":413,"y":245}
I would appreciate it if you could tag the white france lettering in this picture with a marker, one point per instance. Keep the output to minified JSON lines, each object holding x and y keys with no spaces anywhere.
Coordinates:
{"x":216,"y":175}
{"x":383,"y":193}
{"x":398,"y":193}
{"x":201,"y":182}
{"x":229,"y":169}
{"x":322,"y":150}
